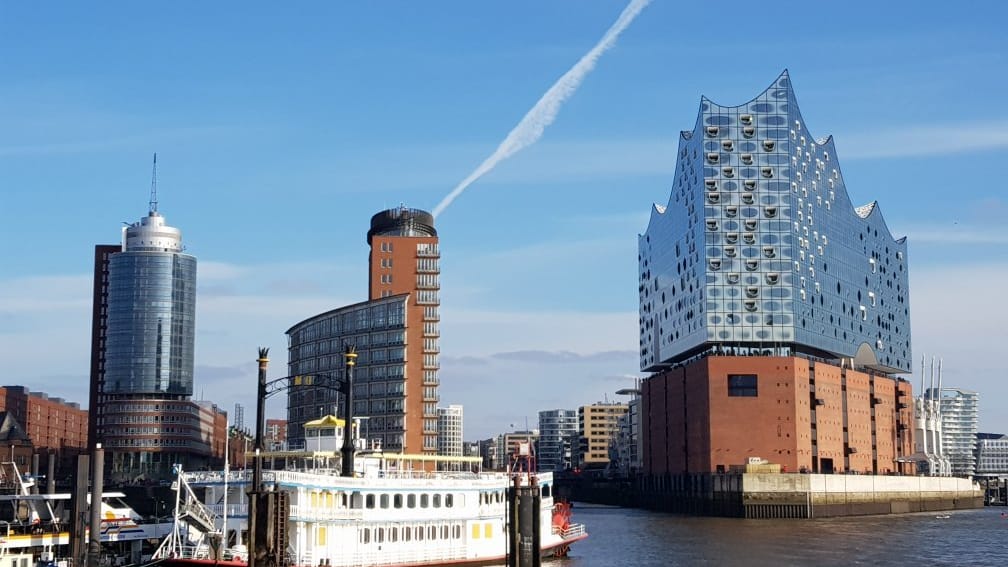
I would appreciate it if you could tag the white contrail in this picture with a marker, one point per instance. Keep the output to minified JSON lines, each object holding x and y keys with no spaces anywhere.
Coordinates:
{"x":531,"y":127}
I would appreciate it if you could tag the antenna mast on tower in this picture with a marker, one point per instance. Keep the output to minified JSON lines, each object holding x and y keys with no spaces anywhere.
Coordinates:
{"x":153,"y":186}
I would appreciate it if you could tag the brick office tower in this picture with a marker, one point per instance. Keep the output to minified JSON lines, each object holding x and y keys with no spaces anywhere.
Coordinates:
{"x":396,"y":334}
{"x":774,"y":313}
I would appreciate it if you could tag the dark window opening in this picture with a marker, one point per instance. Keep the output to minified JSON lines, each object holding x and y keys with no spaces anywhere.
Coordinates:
{"x":743,"y":385}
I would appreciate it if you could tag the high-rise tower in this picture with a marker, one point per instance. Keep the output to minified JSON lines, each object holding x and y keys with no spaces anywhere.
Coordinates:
{"x":143,"y":337}
{"x":405,"y":258}
{"x":396,"y":334}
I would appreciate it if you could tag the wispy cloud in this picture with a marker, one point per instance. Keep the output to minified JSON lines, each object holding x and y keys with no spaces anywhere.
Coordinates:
{"x":563,"y":356}
{"x":45,"y":293}
{"x":915,"y":141}
{"x":544,"y":357}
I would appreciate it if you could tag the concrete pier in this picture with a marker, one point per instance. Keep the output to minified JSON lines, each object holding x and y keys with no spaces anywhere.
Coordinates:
{"x":780,"y":495}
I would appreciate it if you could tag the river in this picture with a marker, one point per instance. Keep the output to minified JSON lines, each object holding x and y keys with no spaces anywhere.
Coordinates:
{"x":621,"y":536}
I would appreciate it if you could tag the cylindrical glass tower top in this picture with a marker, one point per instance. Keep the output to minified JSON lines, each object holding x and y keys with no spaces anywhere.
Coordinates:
{"x":151,"y":313}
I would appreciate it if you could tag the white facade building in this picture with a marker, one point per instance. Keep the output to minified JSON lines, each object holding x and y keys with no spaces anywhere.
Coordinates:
{"x":959,"y":415}
{"x":450,"y":431}
{"x":557,"y":429}
{"x":992,"y":455}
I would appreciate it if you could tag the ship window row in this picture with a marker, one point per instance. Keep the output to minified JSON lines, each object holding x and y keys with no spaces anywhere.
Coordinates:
{"x":384,"y":501}
{"x":418,"y":533}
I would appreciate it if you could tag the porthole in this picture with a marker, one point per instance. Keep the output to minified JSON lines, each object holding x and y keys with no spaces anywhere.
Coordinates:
{"x":768,"y":145}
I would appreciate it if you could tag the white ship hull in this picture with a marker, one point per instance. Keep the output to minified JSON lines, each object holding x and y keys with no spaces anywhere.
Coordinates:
{"x":406,"y":518}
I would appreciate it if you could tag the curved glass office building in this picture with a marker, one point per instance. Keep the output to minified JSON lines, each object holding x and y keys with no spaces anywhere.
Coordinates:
{"x":151,"y":313}
{"x":759,"y":249}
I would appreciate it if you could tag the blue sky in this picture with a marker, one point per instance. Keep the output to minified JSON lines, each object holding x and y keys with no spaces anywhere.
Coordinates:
{"x":281,"y":129}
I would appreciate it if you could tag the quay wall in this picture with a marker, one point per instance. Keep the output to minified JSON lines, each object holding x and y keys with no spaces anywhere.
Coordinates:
{"x":779,"y":495}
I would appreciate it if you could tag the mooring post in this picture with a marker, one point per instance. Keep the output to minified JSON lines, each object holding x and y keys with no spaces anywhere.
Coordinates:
{"x":524,"y":508}
{"x":94,"y":537}
{"x":256,"y":539}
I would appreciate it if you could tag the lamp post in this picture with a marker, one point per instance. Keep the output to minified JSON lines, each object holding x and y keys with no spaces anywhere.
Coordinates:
{"x":347,"y":453}
{"x":266,"y":389}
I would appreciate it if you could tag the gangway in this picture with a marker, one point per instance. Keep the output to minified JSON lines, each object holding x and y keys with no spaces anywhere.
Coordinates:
{"x":201,"y":537}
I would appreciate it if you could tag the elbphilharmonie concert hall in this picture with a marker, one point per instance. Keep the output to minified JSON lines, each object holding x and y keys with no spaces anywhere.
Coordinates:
{"x":759,"y":248}
{"x":774,"y":312}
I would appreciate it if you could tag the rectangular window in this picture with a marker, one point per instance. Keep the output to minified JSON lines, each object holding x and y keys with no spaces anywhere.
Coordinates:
{"x":743,"y":385}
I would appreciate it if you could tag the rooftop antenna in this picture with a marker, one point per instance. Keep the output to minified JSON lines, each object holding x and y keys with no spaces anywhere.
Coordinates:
{"x":153,"y":186}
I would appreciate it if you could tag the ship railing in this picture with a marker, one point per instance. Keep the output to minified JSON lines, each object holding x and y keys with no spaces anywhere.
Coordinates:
{"x":571,"y":531}
{"x":200,"y":551}
{"x":233,"y":510}
{"x":316,"y":513}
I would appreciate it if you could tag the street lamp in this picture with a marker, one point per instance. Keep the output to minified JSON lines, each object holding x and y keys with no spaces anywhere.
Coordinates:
{"x":257,"y":496}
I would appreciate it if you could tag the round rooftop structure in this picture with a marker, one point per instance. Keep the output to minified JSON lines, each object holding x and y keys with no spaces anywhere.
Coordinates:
{"x":402,"y":221}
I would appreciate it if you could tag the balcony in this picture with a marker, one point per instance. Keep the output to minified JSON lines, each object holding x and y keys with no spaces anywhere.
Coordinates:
{"x":430,"y":251}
